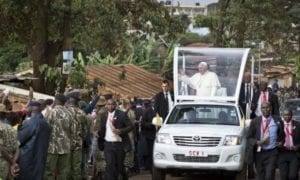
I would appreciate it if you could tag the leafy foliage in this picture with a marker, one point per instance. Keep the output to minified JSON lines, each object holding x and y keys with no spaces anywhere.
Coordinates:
{"x":189,"y":38}
{"x":77,"y":79}
{"x":205,"y":21}
{"x":13,"y":57}
{"x":167,"y":68}
{"x":51,"y":74}
{"x":239,"y":23}
{"x":98,"y":31}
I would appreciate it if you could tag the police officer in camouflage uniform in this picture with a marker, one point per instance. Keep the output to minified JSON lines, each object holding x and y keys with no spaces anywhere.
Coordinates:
{"x":58,"y":160}
{"x":8,"y":149}
{"x":80,"y":125}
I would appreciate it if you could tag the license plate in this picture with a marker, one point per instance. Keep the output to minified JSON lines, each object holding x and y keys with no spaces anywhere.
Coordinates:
{"x":195,"y":153}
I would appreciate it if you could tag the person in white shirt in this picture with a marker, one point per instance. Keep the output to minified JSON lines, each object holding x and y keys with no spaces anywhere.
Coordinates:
{"x":205,"y":82}
{"x":114,"y":140}
{"x":288,"y":161}
{"x":265,"y":96}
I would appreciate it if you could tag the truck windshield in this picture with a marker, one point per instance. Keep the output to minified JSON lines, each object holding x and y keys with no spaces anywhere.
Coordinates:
{"x":204,"y":114}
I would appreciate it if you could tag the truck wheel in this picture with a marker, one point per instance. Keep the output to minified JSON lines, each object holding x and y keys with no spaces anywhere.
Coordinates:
{"x":158,"y":174}
{"x":242,"y":175}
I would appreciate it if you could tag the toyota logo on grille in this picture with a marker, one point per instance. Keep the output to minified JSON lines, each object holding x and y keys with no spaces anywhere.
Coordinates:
{"x":196,"y":138}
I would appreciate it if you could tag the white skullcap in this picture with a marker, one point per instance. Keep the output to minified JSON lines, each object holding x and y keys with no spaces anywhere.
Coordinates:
{"x":203,"y":63}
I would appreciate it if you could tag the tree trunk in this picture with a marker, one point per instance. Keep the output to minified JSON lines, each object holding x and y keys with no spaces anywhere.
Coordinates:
{"x":53,"y":50}
{"x":241,"y":27}
{"x":223,"y":4}
{"x":38,"y":47}
{"x":43,"y":51}
{"x":48,"y":57}
{"x":67,"y":41}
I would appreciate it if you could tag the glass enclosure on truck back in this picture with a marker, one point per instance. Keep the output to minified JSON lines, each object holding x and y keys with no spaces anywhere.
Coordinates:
{"x":208,"y":73}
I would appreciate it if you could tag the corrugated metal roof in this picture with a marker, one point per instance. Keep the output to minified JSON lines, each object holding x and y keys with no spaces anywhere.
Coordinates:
{"x":138,"y":82}
{"x":279,"y":70}
{"x":19,"y":97}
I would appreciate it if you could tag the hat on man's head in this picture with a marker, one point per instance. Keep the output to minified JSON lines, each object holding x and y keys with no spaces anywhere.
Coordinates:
{"x":61,"y":97}
{"x":101,"y":101}
{"x":107,"y":94}
{"x":74,"y":94}
{"x":35,"y":104}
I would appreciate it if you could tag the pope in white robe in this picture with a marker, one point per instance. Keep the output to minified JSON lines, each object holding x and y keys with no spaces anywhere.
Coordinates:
{"x":205,"y":82}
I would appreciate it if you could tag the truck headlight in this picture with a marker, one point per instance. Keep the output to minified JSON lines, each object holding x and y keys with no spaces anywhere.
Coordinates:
{"x":232,"y":140}
{"x":163,"y":138}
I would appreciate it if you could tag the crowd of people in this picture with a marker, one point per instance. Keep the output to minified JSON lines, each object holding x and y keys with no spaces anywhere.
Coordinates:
{"x":112,"y":139}
{"x":67,"y":138}
{"x":273,"y":137}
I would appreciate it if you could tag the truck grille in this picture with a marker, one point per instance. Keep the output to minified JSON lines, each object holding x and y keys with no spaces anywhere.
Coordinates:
{"x":208,"y":159}
{"x":197,"y":141}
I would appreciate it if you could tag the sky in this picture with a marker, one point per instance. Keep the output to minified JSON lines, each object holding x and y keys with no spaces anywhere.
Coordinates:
{"x":192,"y":2}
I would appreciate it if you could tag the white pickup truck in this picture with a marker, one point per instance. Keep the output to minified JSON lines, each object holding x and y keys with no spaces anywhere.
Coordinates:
{"x":204,"y":133}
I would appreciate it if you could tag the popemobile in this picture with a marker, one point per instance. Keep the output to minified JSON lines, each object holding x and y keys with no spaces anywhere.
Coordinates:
{"x":206,"y":129}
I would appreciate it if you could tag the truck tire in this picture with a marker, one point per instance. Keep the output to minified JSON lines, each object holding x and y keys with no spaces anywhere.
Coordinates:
{"x":158,"y":174}
{"x":242,"y":175}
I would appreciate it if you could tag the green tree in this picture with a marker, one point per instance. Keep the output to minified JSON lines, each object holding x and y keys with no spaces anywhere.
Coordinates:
{"x":138,"y":12}
{"x":205,"y":21}
{"x":12,"y":57}
{"x":47,"y":27}
{"x":177,"y":26}
{"x":239,"y":23}
{"x":189,"y":38}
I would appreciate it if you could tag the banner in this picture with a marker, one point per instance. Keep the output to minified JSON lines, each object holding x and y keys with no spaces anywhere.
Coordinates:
{"x":67,"y":62}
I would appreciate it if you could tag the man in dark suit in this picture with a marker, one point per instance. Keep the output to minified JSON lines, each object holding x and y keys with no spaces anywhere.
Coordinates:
{"x":148,"y":131}
{"x":245,"y":92}
{"x":164,"y":100}
{"x":289,"y":152}
{"x":264,"y":136}
{"x":265,"y":96}
{"x":114,"y":140}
